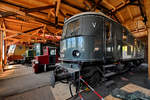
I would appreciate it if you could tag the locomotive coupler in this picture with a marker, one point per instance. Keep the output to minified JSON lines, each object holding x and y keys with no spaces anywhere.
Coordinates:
{"x":62,"y":73}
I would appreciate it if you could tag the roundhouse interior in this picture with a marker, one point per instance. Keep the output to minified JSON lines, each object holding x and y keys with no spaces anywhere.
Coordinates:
{"x":95,"y":46}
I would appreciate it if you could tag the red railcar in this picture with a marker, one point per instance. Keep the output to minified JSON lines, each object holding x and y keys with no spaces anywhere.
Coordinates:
{"x":46,"y":61}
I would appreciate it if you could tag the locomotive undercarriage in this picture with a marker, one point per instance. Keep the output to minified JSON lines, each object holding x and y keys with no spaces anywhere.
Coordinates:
{"x":93,"y":73}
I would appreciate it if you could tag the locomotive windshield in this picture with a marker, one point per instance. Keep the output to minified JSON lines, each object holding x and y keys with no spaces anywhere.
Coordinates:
{"x":71,"y":29}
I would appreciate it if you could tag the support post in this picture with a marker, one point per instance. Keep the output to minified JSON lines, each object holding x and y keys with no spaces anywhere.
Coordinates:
{"x":149,"y":54}
{"x":5,"y":43}
{"x":1,"y":51}
{"x":147,"y":10}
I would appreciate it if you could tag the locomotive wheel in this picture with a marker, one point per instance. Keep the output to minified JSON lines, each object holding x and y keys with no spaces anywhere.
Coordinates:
{"x":91,"y":75}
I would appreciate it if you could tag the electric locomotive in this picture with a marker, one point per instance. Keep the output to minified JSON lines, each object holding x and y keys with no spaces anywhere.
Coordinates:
{"x":95,"y":47}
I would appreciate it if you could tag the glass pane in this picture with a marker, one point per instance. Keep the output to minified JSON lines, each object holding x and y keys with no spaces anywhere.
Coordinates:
{"x":71,"y":29}
{"x":53,"y":52}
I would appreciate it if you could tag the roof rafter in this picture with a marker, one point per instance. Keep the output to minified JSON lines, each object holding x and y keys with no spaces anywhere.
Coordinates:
{"x":22,"y":22}
{"x":81,"y":9}
{"x":29,"y":10}
{"x":18,"y":33}
{"x":6,"y":14}
{"x":113,"y":7}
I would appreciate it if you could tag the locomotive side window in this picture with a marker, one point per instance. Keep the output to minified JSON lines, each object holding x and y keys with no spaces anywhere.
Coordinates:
{"x":124,"y":34}
{"x":108,"y":30}
{"x":129,"y":50}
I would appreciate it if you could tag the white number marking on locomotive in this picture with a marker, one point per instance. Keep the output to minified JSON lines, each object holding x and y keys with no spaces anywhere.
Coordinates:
{"x":94,"y":24}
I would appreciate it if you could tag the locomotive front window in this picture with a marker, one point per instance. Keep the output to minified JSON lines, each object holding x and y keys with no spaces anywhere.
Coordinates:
{"x":71,"y":29}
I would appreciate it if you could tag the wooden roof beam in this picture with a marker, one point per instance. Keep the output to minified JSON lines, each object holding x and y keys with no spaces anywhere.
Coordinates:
{"x":6,"y":14}
{"x":57,"y":11}
{"x":44,"y":21}
{"x":76,"y":7}
{"x":22,"y":22}
{"x":110,"y":5}
{"x":17,"y":32}
{"x":29,"y":10}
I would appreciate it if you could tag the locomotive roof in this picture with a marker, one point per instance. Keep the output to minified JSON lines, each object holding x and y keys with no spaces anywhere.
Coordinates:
{"x":90,"y":13}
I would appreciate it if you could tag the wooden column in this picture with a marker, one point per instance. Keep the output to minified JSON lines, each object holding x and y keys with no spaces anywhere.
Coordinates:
{"x":5,"y":44}
{"x":149,"y":54}
{"x":1,"y":51}
{"x":147,"y":10}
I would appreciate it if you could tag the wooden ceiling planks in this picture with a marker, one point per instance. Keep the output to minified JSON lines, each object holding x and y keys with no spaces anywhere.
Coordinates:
{"x":28,"y":14}
{"x":29,"y":3}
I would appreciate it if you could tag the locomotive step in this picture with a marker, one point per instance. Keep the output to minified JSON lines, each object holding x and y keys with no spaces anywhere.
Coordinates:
{"x":108,"y":66}
{"x":109,"y":83}
{"x":109,"y":74}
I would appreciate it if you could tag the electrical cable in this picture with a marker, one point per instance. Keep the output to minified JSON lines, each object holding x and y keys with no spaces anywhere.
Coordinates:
{"x":91,"y":88}
{"x":80,"y":96}
{"x":70,"y":89}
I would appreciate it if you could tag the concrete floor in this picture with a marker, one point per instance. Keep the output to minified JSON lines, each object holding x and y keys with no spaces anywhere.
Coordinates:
{"x":137,"y":76}
{"x":20,"y":83}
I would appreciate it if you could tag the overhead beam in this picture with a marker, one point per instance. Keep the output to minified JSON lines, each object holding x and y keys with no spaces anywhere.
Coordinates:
{"x":57,"y":11}
{"x":6,"y":14}
{"x":22,"y":22}
{"x":18,"y":33}
{"x":44,"y":21}
{"x":33,"y":29}
{"x":67,"y":3}
{"x":29,"y":10}
{"x":110,"y":5}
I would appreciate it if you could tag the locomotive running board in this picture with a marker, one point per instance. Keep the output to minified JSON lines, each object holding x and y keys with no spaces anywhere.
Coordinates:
{"x":109,"y":74}
{"x":110,"y":65}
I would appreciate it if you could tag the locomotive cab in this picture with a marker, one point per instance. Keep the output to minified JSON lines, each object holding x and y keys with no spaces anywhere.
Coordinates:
{"x":46,"y":61}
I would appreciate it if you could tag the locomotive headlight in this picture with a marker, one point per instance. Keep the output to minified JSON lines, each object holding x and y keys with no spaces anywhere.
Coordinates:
{"x":76,"y":53}
{"x":36,"y":62}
